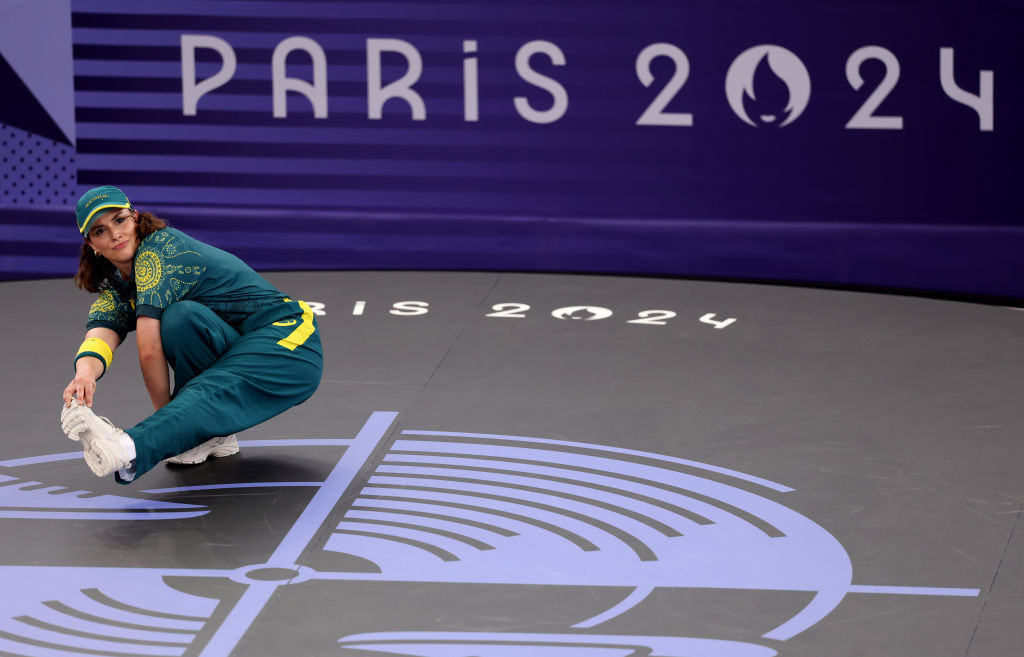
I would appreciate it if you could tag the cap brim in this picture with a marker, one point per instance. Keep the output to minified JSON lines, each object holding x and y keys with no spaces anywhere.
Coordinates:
{"x":92,"y":215}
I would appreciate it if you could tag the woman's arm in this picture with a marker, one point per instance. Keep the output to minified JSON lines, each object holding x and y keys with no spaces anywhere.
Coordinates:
{"x":89,"y":368}
{"x":153,"y":362}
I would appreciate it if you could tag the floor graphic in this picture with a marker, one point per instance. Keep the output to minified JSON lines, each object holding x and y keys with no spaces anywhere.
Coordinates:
{"x":446,"y":508}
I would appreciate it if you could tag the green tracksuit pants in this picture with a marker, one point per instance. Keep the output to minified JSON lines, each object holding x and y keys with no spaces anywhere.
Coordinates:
{"x":227,"y":380}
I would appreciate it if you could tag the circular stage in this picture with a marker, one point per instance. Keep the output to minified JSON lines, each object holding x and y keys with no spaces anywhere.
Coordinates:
{"x":544,"y":465}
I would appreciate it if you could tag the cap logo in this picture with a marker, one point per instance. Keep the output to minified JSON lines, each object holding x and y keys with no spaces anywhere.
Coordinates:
{"x":96,"y":198}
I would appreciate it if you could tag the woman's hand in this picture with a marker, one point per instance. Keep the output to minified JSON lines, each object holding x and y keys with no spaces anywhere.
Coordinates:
{"x":83,"y":386}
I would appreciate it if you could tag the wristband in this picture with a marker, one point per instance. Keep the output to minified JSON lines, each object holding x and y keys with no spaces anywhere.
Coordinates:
{"x":97,"y":349}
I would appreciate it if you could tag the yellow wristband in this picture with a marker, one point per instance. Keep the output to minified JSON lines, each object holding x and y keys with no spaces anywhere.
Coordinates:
{"x":98,"y":349}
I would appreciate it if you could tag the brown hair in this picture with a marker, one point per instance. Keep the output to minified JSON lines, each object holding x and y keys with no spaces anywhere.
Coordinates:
{"x":94,"y":271}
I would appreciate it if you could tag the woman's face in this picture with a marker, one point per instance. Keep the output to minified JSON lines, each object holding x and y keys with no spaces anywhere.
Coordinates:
{"x":116,"y":236}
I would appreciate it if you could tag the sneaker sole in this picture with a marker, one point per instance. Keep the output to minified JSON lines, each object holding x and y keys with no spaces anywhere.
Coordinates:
{"x":79,"y":427}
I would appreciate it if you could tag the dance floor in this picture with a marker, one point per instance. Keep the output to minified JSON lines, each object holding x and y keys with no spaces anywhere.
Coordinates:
{"x":543,"y":465}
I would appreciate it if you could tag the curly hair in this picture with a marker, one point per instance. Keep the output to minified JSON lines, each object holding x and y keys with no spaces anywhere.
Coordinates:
{"x":94,"y":271}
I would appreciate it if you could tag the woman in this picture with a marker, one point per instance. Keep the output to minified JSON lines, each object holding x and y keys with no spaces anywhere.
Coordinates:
{"x":241,"y":351}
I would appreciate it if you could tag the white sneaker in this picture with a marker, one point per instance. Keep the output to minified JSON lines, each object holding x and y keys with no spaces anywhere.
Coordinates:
{"x":106,"y":448}
{"x":215,"y":447}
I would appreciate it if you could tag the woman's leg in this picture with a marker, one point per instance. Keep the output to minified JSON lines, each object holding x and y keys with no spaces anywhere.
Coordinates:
{"x":274,"y":366}
{"x":193,"y":337}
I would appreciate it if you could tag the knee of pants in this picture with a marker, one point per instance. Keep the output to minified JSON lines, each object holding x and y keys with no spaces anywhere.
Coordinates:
{"x":193,"y":335}
{"x":180,"y":318}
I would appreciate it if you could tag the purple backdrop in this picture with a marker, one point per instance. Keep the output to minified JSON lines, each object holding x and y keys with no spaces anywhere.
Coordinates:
{"x":848,"y":143}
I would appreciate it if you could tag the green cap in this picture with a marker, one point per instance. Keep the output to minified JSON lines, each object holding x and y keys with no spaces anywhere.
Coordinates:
{"x":94,"y":201}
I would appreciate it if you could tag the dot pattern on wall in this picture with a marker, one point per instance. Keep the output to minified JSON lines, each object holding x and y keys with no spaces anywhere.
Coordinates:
{"x":35,"y":170}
